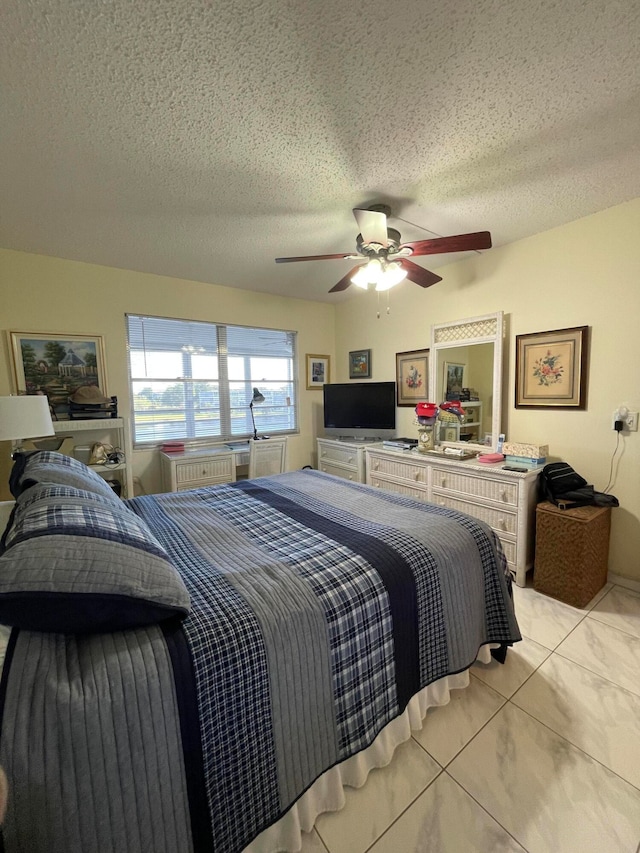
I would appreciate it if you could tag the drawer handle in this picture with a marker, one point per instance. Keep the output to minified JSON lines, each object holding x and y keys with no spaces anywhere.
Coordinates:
{"x":443,"y":481}
{"x":503,"y":495}
{"x":502,"y":523}
{"x":416,"y":476}
{"x":351,"y":476}
{"x":351,"y":459}
{"x":324,"y":453}
{"x":376,"y":465}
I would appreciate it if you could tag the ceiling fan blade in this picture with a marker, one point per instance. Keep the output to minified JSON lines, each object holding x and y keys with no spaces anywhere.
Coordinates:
{"x":372,"y":225}
{"x":344,"y":282}
{"x":419,"y":275}
{"x":343,"y":256}
{"x":457,"y":243}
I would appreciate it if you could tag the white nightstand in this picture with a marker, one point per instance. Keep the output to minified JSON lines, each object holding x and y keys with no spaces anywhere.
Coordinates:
{"x":192,"y":469}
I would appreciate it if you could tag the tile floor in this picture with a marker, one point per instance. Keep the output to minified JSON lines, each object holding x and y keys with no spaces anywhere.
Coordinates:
{"x":540,"y":755}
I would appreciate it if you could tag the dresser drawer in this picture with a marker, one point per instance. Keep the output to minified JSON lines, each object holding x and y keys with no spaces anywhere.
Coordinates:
{"x":498,"y":491}
{"x":408,"y":471}
{"x":221,"y":469}
{"x":339,"y":471}
{"x":510,"y":548}
{"x":344,"y":455}
{"x":398,"y":488}
{"x":502,"y":521}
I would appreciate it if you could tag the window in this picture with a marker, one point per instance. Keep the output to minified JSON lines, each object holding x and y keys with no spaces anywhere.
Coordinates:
{"x":194,"y":381}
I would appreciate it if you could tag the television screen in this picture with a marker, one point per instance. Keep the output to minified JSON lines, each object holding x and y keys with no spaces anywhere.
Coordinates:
{"x":360,"y":409}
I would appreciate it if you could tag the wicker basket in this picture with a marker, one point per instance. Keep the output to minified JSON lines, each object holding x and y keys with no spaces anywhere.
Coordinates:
{"x":572,"y":550}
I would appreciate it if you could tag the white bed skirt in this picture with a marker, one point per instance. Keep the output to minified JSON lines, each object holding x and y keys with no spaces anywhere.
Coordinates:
{"x":327,"y":793}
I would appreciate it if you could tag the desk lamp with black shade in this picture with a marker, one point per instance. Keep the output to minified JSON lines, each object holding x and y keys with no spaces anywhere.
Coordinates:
{"x":257,"y":398}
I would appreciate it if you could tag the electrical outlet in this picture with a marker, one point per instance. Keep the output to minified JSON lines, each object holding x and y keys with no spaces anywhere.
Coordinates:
{"x":629,"y":420}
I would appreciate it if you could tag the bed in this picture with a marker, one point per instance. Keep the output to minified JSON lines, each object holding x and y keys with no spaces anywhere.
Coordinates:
{"x":205,"y":670}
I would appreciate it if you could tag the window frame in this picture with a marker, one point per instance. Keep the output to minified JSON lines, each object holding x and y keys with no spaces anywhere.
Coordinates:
{"x":225,"y":406}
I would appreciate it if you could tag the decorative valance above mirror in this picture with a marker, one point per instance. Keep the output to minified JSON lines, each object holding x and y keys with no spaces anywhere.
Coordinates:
{"x":466,"y":364}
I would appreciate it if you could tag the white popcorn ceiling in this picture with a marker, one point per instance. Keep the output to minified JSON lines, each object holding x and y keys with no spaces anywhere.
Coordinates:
{"x":203,"y":139}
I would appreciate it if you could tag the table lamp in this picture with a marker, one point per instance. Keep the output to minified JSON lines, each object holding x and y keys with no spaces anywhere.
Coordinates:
{"x":24,"y":417}
{"x":257,"y":398}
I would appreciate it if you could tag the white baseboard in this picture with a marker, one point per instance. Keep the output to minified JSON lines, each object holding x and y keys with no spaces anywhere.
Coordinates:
{"x":629,"y":583}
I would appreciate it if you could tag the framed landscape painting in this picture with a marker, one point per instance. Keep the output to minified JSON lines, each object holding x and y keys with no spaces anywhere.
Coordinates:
{"x":412,"y":377}
{"x":56,"y":365}
{"x":551,"y":369}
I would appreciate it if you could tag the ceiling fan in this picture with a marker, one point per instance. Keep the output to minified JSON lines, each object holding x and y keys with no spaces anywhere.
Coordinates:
{"x":387,"y":258}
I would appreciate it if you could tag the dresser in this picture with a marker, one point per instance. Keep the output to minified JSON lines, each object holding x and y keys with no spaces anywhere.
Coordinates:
{"x":343,"y":458}
{"x":192,"y":469}
{"x":505,"y":500}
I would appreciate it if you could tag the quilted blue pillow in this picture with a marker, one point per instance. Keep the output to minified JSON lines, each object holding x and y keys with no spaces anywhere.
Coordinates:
{"x":74,"y":561}
{"x":47,"y":466}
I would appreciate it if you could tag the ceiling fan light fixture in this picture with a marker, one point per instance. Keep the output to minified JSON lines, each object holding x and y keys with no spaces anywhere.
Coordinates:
{"x":392,"y":274}
{"x":367,"y":274}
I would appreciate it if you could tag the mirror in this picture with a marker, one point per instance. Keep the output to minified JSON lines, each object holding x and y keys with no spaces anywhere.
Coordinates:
{"x":466,"y":364}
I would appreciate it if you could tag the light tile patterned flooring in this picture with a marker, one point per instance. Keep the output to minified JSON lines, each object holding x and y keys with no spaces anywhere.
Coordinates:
{"x":539,"y":755}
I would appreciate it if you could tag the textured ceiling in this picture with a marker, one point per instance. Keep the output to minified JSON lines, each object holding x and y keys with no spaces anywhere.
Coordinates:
{"x":203,"y":139}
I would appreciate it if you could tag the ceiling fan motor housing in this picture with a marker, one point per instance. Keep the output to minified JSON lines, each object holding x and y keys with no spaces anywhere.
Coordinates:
{"x":374,"y":249}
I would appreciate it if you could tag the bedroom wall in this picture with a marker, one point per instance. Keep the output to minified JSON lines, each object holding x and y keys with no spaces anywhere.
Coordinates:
{"x":583,"y":273}
{"x":44,"y":294}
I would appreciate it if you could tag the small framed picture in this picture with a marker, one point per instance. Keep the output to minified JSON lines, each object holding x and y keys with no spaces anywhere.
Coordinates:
{"x":454,"y":379}
{"x":412,"y":377}
{"x":317,"y":371}
{"x":551,"y":369}
{"x":360,"y":364}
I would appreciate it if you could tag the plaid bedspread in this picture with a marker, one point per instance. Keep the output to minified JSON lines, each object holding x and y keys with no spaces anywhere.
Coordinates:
{"x":319,"y":607}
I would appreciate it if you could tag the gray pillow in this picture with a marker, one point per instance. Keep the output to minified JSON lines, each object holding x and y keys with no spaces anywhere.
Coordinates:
{"x":74,"y":561}
{"x":47,"y":466}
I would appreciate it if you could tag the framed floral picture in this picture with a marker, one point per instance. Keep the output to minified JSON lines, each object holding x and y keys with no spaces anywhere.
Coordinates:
{"x":412,"y":377}
{"x":57,"y":365}
{"x":551,"y":369}
{"x":360,"y":364}
{"x":317,"y":371}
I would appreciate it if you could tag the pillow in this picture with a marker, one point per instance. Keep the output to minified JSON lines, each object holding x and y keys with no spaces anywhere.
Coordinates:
{"x":77,"y":562}
{"x":47,"y":466}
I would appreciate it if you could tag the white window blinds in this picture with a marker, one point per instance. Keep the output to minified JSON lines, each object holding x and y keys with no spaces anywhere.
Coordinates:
{"x":194,"y":381}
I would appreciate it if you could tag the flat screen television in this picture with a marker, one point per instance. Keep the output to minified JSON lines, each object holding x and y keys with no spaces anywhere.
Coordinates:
{"x":360,"y":410}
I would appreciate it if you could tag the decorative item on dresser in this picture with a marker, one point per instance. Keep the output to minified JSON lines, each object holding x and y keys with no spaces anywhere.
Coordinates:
{"x":505,"y":500}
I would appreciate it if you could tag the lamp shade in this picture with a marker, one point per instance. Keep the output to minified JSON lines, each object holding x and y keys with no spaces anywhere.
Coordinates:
{"x":257,"y":396}
{"x":25,"y":417}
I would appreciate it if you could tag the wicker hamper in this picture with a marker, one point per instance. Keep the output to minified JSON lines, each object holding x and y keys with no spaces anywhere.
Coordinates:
{"x":572,"y":550}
